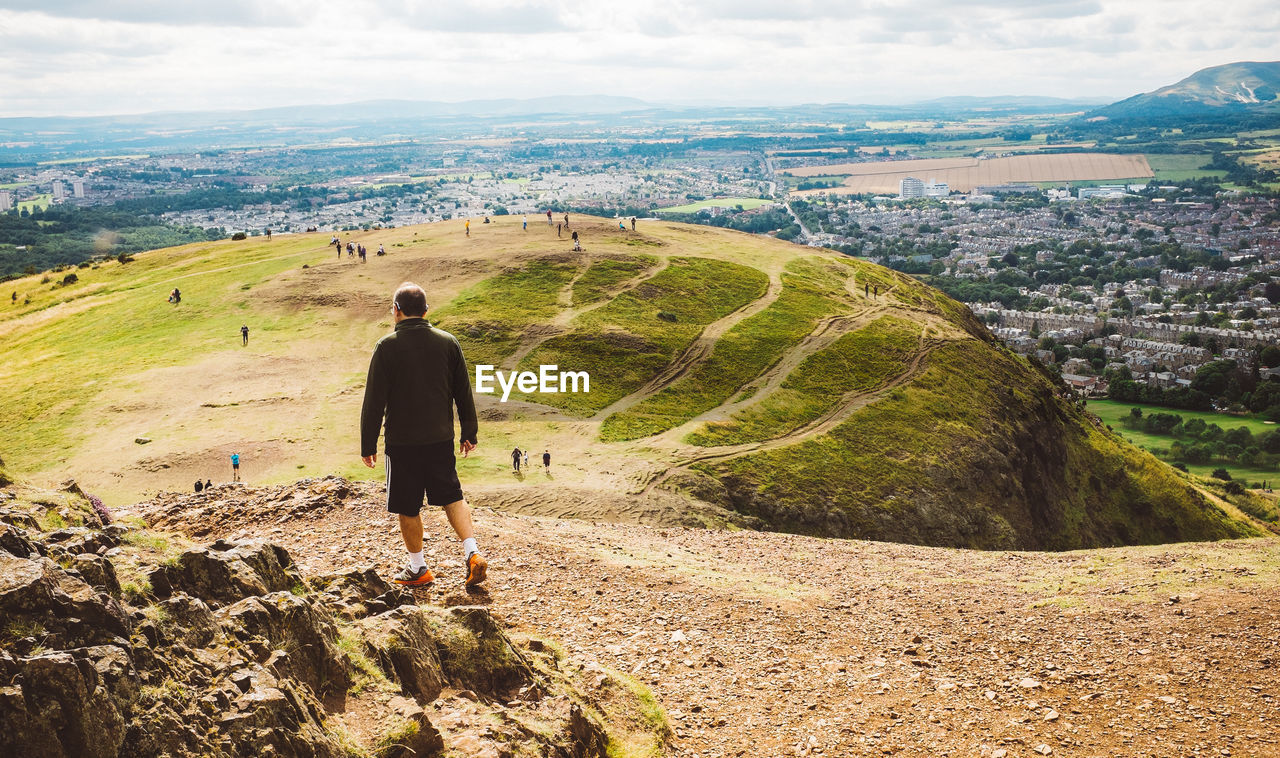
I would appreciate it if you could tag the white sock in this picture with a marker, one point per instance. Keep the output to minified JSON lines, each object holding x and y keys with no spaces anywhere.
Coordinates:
{"x":469,"y":547}
{"x":416,"y":561}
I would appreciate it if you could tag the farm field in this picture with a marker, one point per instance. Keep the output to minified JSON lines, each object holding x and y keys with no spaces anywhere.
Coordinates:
{"x":747,"y":203}
{"x":1180,"y":167}
{"x":964,"y":174}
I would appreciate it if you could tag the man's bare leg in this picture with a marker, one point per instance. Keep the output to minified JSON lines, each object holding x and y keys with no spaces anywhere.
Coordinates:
{"x":459,"y":515}
{"x":411,"y":531}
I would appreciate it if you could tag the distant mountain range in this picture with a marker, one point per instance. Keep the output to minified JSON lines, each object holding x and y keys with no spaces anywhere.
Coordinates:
{"x":1226,"y":90}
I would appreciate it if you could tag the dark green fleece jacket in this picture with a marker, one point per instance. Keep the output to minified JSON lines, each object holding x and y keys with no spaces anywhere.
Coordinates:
{"x":416,"y":376}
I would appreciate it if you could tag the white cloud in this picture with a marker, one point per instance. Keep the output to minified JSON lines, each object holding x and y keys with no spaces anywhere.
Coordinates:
{"x":78,"y":57}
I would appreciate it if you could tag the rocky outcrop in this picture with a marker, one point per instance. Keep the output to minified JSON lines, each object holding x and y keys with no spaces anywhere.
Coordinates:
{"x":226,"y":572}
{"x":226,"y":651}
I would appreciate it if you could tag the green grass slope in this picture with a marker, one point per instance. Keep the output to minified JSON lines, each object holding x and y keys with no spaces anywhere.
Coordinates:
{"x":766,"y":378}
{"x":978,"y":452}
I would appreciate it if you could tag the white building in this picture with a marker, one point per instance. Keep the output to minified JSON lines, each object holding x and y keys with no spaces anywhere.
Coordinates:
{"x":1103,"y":191}
{"x":77,"y":188}
{"x":910,"y":187}
{"x":6,"y":200}
{"x":59,"y":190}
{"x":936,"y":189}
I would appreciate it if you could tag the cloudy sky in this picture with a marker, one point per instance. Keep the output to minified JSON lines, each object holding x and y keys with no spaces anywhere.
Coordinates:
{"x":82,"y":57}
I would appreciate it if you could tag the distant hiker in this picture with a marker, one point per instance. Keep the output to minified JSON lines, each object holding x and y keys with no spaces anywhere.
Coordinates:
{"x":866,"y":290}
{"x":363,"y":252}
{"x":566,"y":221}
{"x":468,"y":227}
{"x":546,"y":459}
{"x":526,"y":458}
{"x":199,"y":485}
{"x":268,"y":235}
{"x":558,"y":228}
{"x":877,"y":291}
{"x":515,"y":460}
{"x":208,"y":484}
{"x":524,"y":224}
{"x":633,"y":223}
{"x":338,"y":244}
{"x":351,"y":249}
{"x":15,"y":296}
{"x":576,"y":245}
{"x":548,"y":218}
{"x":382,"y":250}
{"x":244,"y":334}
{"x":417,"y":376}
{"x":235,"y":467}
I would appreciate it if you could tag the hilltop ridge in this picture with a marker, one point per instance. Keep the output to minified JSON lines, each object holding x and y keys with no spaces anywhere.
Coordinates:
{"x":1215,"y":91}
{"x":734,"y":380}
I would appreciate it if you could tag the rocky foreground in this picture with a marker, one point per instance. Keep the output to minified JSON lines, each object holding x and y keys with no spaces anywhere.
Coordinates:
{"x":767,"y":644}
{"x":116,"y":641}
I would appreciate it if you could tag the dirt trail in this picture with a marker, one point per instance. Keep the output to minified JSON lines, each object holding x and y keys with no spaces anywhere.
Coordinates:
{"x":759,"y":645}
{"x":558,"y":325}
{"x":826,"y":332}
{"x":686,"y":455}
{"x":698,"y":350}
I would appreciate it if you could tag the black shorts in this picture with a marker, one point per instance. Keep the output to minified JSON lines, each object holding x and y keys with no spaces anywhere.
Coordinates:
{"x":417,"y":470}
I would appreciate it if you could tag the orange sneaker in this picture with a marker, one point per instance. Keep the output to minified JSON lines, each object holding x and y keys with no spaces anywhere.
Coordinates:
{"x":411,"y":577}
{"x":476,"y":568}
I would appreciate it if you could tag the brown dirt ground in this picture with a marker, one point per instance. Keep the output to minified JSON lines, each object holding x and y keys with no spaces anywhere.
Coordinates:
{"x":763,"y":644}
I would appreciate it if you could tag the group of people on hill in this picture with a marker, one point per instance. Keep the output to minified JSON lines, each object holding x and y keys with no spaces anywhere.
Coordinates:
{"x":560,"y":226}
{"x":519,"y":457}
{"x":235,"y":474}
{"x":354,"y":249}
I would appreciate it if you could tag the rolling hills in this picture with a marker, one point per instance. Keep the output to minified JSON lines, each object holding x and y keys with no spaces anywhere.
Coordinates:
{"x":734,"y":380}
{"x":1224,"y":90}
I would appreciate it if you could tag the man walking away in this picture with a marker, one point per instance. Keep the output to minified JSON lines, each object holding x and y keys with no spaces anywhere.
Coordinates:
{"x":548,"y":218}
{"x":244,"y":334}
{"x":566,"y":221}
{"x":416,"y":377}
{"x":633,"y":223}
{"x":515,"y":460}
{"x":558,"y":228}
{"x":235,"y":467}
{"x":546,"y":459}
{"x":524,"y":223}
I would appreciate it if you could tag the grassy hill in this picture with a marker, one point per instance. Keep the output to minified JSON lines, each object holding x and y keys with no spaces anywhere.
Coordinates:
{"x":1224,"y":90}
{"x":734,"y":379}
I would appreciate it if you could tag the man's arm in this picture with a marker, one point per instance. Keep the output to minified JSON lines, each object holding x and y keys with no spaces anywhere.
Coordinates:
{"x":462,"y":397}
{"x":375,"y":405}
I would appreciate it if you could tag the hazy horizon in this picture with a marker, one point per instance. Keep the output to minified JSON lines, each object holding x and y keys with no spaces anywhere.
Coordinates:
{"x":78,"y":58}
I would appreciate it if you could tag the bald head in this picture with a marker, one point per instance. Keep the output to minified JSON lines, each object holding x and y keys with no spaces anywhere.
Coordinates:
{"x":411,"y":300}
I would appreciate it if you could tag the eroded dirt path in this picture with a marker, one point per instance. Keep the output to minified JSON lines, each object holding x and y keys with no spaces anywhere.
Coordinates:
{"x":698,"y":350}
{"x":540,"y":333}
{"x":768,"y":644}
